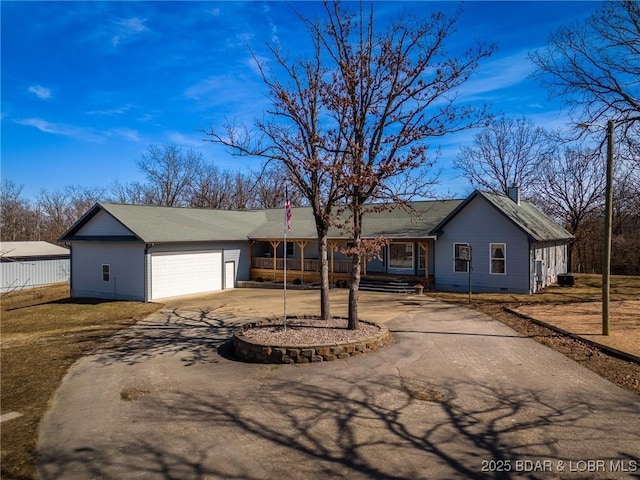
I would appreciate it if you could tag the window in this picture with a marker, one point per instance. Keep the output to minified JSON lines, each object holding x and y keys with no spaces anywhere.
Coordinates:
{"x":105,"y":273}
{"x":290,"y":249}
{"x":461,"y":257}
{"x":401,"y":256}
{"x":421,"y":258}
{"x":498,"y":258}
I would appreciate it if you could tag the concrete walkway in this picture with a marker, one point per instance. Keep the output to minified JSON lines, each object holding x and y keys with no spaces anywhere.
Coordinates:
{"x":456,"y":395}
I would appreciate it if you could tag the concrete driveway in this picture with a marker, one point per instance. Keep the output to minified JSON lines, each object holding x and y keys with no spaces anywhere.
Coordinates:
{"x":456,"y":395}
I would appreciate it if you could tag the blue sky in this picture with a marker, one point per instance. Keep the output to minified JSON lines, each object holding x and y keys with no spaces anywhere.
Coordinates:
{"x":88,"y":86}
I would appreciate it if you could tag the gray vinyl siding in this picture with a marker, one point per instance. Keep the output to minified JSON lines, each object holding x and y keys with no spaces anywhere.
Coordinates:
{"x":33,"y":272}
{"x":553,"y":256}
{"x":103,"y":224}
{"x":479,"y":225}
{"x":126,"y":265}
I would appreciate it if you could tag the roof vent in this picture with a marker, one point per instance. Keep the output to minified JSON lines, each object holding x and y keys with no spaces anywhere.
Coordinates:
{"x":514,"y":194}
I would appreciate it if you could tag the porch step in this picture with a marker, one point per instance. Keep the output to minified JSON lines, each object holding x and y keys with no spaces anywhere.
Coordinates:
{"x":384,"y":285}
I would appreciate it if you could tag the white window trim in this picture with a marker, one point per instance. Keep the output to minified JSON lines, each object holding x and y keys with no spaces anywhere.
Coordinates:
{"x":108,"y":272}
{"x":455,"y":258}
{"x":421,"y":253}
{"x":504,"y":249}
{"x":413,"y":257}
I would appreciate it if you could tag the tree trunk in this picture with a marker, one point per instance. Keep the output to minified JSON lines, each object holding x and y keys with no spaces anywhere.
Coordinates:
{"x":325,"y":309}
{"x":354,"y":284}
{"x":354,"y":287}
{"x":570,"y":249}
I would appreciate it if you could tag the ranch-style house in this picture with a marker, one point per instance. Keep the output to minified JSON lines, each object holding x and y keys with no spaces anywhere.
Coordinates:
{"x":138,"y":252}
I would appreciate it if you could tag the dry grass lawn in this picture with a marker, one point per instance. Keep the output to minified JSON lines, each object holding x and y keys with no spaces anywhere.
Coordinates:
{"x":577,"y":309}
{"x":42,"y":333}
{"x":585,"y":319}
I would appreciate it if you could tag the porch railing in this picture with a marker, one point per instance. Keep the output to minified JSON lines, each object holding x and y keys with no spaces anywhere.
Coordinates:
{"x":310,"y":265}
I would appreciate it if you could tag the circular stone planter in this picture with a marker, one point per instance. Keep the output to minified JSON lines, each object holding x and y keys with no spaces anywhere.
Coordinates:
{"x":265,"y":351}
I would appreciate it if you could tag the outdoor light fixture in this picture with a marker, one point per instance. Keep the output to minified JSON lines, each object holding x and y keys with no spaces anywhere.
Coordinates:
{"x":608,"y":217}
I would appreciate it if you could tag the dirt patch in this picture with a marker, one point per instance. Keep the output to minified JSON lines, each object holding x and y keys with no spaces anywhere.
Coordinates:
{"x":131,"y":394}
{"x":585,"y":319}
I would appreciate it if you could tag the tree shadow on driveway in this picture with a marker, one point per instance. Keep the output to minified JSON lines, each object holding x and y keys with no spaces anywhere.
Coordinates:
{"x":195,"y":336}
{"x":343,"y":427}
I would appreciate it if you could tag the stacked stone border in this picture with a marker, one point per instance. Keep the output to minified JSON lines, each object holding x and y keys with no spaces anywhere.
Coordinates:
{"x":252,"y":351}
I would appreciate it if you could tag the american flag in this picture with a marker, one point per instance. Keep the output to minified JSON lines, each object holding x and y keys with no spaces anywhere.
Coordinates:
{"x":287,"y":207}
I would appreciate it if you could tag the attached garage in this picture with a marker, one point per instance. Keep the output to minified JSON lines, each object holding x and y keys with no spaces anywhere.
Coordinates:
{"x":147,"y":253}
{"x":185,"y":273}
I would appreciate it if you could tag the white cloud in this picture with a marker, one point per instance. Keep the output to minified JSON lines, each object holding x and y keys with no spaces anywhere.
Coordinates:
{"x":240,"y":40}
{"x":111,"y":111}
{"x":128,"y":28}
{"x":127,"y":133}
{"x":194,"y":141}
{"x":41,"y":92}
{"x":204,"y":87}
{"x":272,"y":26}
{"x":73,"y":131}
{"x":79,"y":133}
{"x":498,"y":74}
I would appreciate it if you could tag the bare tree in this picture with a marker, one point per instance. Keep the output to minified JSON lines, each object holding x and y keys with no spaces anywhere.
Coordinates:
{"x":170,"y":173}
{"x":570,"y":187}
{"x":211,"y":189}
{"x":390,"y":92}
{"x":626,"y":223}
{"x":595,"y":65}
{"x":60,"y":209}
{"x":292,"y":134}
{"x":134,"y":193}
{"x":508,"y":152}
{"x":18,"y":220}
{"x":355,"y":116}
{"x":268,"y":191}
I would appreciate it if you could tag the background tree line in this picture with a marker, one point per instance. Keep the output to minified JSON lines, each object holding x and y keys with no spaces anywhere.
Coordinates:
{"x":565,"y":178}
{"x":174,"y":177}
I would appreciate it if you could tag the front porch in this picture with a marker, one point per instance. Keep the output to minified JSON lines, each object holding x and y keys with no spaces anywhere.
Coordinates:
{"x":267,"y":263}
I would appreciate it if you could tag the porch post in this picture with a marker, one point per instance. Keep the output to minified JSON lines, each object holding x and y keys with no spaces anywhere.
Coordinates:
{"x":302,"y":244}
{"x":251,"y":244}
{"x":332,"y":248}
{"x":425,"y":247}
{"x":275,"y":244}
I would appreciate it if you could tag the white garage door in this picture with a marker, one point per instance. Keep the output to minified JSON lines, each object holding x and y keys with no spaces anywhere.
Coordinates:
{"x":185,"y":273}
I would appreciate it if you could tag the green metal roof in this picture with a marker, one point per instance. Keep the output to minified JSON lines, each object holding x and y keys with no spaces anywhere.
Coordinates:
{"x":416,"y":220}
{"x":526,"y":216}
{"x":172,"y":224}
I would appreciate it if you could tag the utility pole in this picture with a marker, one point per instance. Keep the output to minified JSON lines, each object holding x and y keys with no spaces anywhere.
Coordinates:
{"x":608,"y":220}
